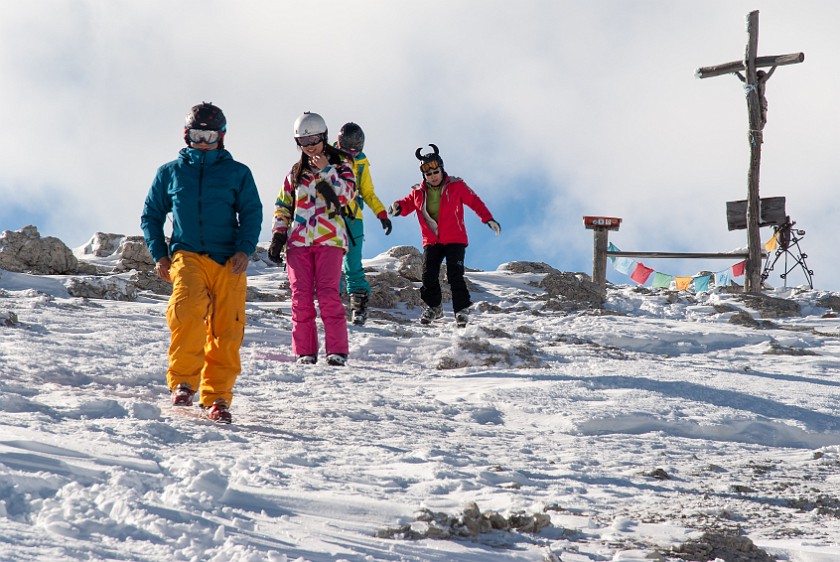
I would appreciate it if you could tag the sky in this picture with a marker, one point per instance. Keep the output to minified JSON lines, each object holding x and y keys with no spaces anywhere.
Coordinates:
{"x":634,"y":429}
{"x":551,"y":110}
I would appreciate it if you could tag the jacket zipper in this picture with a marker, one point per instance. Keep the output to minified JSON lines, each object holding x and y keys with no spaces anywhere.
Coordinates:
{"x":200,"y":193}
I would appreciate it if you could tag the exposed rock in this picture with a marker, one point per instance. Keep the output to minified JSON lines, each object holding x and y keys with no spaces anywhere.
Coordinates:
{"x":527,"y":267}
{"x":717,"y":545}
{"x":149,"y":281}
{"x":8,"y":318}
{"x":110,"y":288}
{"x":25,"y":251}
{"x":471,"y":523}
{"x":830,"y":301}
{"x":388,"y":288}
{"x":411,"y":262}
{"x":134,"y":254}
{"x":102,"y":244}
{"x":659,"y":474}
{"x":770,"y":307}
{"x":566,"y":290}
{"x":742,"y":318}
{"x":401,"y":251}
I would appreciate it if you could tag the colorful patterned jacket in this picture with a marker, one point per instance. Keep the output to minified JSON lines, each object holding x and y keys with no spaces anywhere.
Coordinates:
{"x":449,"y":228}
{"x":302,"y":213}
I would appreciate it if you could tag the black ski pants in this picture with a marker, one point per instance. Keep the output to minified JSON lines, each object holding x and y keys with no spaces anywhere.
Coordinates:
{"x":433,"y":257}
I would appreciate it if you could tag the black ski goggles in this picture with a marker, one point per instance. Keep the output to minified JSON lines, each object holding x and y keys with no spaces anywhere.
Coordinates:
{"x":310,"y":140}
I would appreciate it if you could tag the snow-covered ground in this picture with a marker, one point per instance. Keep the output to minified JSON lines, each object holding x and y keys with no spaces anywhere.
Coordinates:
{"x":636,"y":429}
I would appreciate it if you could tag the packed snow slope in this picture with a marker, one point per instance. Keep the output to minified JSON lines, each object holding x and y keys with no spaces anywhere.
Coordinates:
{"x":661,"y":425}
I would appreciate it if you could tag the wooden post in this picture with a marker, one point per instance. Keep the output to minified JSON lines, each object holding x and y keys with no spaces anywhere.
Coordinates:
{"x":599,"y":259}
{"x":601,"y":227}
{"x":754,"y":84}
{"x":752,"y":280}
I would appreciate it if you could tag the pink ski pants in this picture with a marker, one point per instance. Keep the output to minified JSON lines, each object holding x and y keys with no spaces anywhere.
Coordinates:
{"x":315,"y":272}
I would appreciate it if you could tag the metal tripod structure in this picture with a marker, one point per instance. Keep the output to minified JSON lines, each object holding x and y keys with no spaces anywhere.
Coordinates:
{"x":788,"y":239}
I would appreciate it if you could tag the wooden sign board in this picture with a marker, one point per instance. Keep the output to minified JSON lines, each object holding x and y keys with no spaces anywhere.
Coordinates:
{"x":771,"y":213}
{"x":605,"y":223}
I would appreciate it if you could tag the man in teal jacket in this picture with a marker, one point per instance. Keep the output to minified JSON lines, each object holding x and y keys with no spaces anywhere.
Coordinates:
{"x":216,"y":221}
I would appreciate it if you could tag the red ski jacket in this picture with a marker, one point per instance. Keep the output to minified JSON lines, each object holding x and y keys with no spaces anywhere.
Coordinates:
{"x":450,"y":228}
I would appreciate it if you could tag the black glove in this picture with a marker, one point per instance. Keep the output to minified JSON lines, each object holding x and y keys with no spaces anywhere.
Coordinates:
{"x":275,"y":249}
{"x":394,"y":210}
{"x":494,"y":226}
{"x":386,"y":225}
{"x":328,"y":194}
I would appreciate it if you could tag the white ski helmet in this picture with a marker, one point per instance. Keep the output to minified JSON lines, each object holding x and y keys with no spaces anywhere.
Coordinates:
{"x":310,"y":124}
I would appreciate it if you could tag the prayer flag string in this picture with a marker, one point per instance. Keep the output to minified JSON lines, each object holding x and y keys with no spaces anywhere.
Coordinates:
{"x":641,"y":274}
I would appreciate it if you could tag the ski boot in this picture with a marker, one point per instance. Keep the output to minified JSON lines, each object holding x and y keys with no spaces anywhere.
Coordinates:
{"x":462,"y":317}
{"x":358,"y":306}
{"x":431,"y":314}
{"x":182,"y":395}
{"x":337,"y":359}
{"x":219,"y":412}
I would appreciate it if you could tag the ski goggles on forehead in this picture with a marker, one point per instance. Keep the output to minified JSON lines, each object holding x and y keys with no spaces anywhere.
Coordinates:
{"x":200,"y":135}
{"x":309,"y":140}
{"x":429,"y":166}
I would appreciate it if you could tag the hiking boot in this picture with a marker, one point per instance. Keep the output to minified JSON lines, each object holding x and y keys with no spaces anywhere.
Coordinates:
{"x":182,"y":395}
{"x":307,"y":359}
{"x":461,"y":318}
{"x":337,"y":359}
{"x":430,"y":314}
{"x":219,"y":412}
{"x":358,"y":307}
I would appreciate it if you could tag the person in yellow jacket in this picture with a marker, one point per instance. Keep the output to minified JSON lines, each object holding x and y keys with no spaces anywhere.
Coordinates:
{"x":351,"y":139}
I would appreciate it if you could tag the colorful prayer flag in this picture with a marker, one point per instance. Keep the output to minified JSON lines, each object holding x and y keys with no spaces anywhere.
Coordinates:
{"x":738,"y":268}
{"x":624,"y":265}
{"x":612,"y":248}
{"x":661,"y":280}
{"x":641,"y":273}
{"x":722,"y":279}
{"x":683,"y":283}
{"x":702,"y":283}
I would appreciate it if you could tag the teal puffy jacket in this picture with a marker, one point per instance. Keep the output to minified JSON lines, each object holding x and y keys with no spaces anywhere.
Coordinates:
{"x":215,"y":206}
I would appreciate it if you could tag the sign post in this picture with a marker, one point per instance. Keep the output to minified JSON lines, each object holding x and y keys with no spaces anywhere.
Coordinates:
{"x":601,"y":227}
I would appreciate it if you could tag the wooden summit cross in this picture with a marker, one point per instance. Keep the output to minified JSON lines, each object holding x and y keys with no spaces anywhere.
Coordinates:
{"x":755,"y":82}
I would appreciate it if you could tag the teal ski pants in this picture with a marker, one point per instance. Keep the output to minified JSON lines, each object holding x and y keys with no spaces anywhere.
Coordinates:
{"x":353,"y":278}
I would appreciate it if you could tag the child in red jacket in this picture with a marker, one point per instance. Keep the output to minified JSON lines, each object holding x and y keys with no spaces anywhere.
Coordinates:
{"x":439,"y":202}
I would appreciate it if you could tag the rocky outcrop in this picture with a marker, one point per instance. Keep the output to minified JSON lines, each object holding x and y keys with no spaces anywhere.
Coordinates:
{"x":470,"y":523}
{"x":130,"y":252}
{"x":570,"y":291}
{"x":24,"y":251}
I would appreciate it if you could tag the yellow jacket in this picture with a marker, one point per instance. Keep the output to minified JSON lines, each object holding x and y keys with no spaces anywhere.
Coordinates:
{"x":364,"y":187}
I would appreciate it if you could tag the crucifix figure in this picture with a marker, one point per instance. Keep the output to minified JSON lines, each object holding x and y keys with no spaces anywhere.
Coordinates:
{"x":761,"y":78}
{"x":755,"y":82}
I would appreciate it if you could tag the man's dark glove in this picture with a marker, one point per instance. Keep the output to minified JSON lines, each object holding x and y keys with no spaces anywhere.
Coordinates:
{"x":328,"y":194}
{"x":275,"y":249}
{"x":494,"y":226}
{"x":386,"y":225}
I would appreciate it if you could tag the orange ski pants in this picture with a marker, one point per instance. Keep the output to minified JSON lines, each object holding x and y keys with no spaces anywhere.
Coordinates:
{"x":206,"y":315}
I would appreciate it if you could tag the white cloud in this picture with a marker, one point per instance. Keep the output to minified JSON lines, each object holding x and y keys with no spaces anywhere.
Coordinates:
{"x":570,"y":107}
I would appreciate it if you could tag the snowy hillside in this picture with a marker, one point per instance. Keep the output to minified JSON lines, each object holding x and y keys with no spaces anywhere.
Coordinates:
{"x":661,"y":426}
